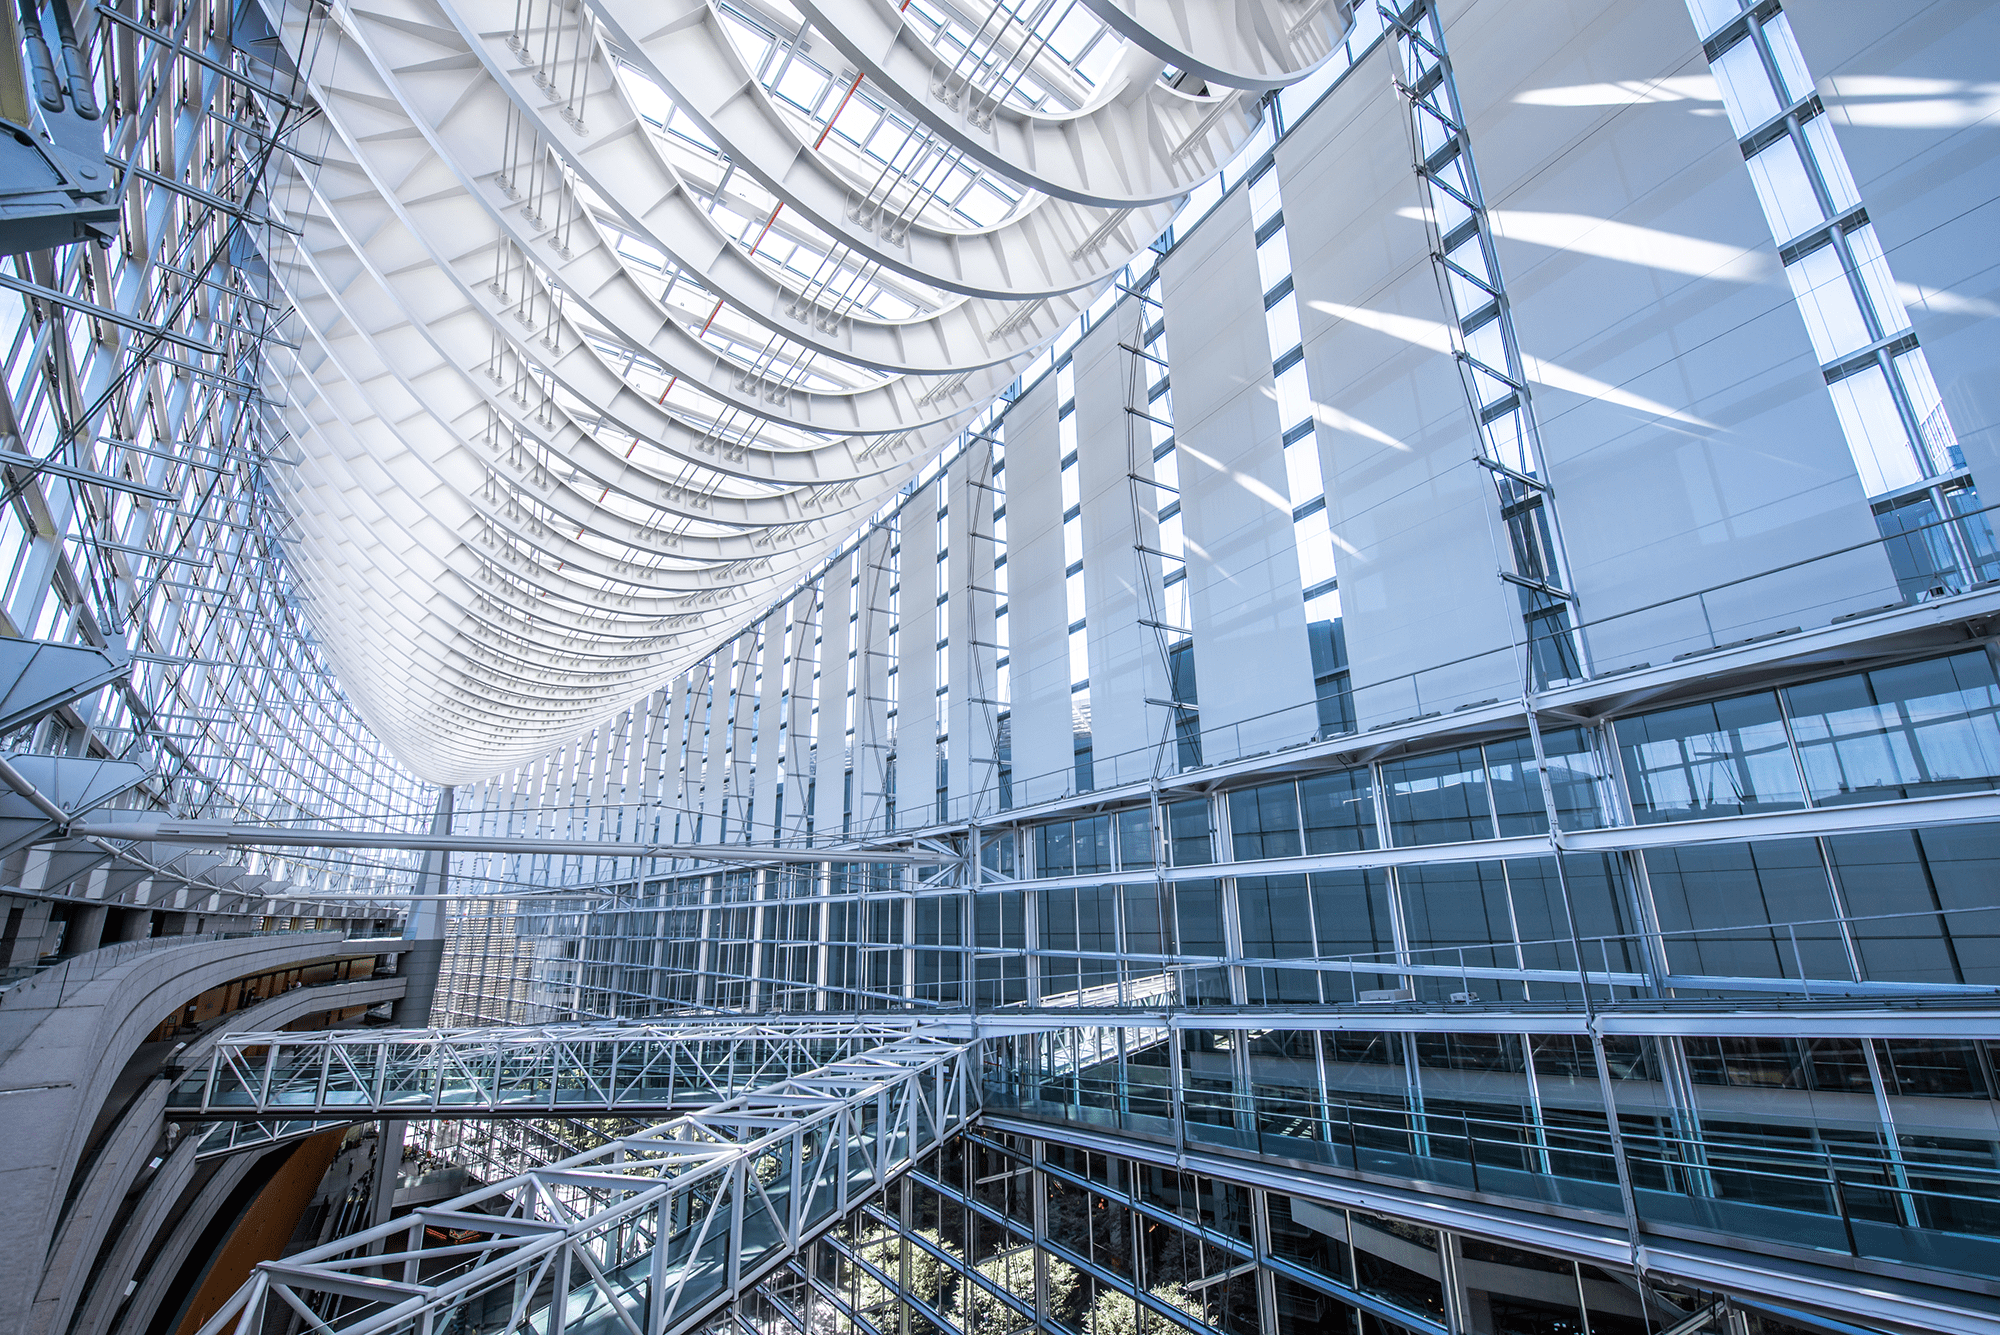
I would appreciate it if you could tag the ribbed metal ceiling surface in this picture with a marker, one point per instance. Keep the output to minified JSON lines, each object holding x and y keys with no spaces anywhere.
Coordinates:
{"x":615,"y":316}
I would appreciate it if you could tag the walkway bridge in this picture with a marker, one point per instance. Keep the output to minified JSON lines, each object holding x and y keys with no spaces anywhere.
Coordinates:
{"x":647,"y":1234}
{"x":625,"y":1070}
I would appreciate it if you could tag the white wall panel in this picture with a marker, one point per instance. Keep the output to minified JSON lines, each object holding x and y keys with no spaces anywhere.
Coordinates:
{"x":970,"y":660}
{"x":874,"y":603}
{"x":742,"y":709}
{"x":673,"y":756}
{"x":647,"y":798}
{"x":722,"y":694}
{"x":831,"y":762}
{"x":800,"y":697}
{"x":1685,"y":424}
{"x":916,"y":669}
{"x":1121,"y":583}
{"x":1037,"y":608}
{"x":1253,"y":669}
{"x":1911,"y":90}
{"x":682,"y":760}
{"x":1413,"y":517}
{"x":770,"y":712}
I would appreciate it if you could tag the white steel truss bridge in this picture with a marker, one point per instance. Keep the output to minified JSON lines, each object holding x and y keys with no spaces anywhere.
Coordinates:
{"x":648,"y":1233}
{"x":626,"y":1070}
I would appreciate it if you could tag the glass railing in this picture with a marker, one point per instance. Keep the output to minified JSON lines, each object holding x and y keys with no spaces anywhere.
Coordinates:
{"x":1834,"y":1187}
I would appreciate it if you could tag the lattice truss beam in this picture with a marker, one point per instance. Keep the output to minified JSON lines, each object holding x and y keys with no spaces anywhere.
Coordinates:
{"x":136,"y":516}
{"x":648,"y":1233}
{"x":624,"y":1070}
{"x":612,"y":318}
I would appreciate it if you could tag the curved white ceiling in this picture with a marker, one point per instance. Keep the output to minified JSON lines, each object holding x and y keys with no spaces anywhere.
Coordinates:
{"x":615,"y":316}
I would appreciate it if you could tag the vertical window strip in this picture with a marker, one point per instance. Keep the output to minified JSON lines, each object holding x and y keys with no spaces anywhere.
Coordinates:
{"x":1483,"y":342}
{"x":1905,"y":449}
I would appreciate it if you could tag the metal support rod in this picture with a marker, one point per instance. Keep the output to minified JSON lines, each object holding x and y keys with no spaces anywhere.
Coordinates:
{"x":19,"y":783}
{"x":219,"y":834}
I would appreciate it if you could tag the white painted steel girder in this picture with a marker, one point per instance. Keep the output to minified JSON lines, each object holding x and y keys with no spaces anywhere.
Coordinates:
{"x":504,"y":532}
{"x":1236,"y":43}
{"x":553,"y":1070}
{"x":1049,"y":248}
{"x":1140,"y":141}
{"x":621,"y":162}
{"x":647,"y":1233}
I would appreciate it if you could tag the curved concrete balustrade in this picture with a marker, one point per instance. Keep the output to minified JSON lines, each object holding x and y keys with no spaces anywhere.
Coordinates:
{"x":126,"y":1150}
{"x":65,"y":1039}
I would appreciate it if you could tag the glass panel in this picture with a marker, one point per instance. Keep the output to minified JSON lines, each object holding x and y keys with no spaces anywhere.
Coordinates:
{"x":1785,"y":190}
{"x":1351,"y":915}
{"x":1826,"y":300}
{"x":1512,"y":1292}
{"x":1277,"y":923}
{"x":1187,"y":829}
{"x":1934,"y":429}
{"x":1517,"y":788}
{"x":1093,"y":845}
{"x":1832,"y":163}
{"x":1746,"y":89}
{"x":1946,"y":1068}
{"x":1398,"y":1261}
{"x":1135,"y":837}
{"x":1055,"y":853}
{"x":1264,"y":822}
{"x":1917,"y":546}
{"x":1438,"y":799}
{"x":1886,"y":884}
{"x":1709,"y":15}
{"x":1724,"y":758}
{"x":1874,"y":430}
{"x":1460,"y":912}
{"x":1198,"y":906}
{"x":1797,"y":84}
{"x":1142,"y":925}
{"x":1974,"y":528}
{"x":1729,"y":892}
{"x":1339,"y":811}
{"x":1873,"y":267}
{"x":1907,"y":731}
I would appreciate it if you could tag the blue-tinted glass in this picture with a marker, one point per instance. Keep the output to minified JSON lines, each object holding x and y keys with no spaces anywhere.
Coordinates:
{"x":1264,"y":822}
{"x":1142,"y":924}
{"x":1573,"y":781}
{"x":1918,"y":549}
{"x":1187,"y":830}
{"x":1351,"y":915}
{"x":1517,"y":787}
{"x":1438,"y":799}
{"x":1097,"y":930}
{"x":1276,"y":918}
{"x":1723,"y":758}
{"x":1198,"y":913}
{"x":1135,"y":837}
{"x":1058,"y":910}
{"x":1963,"y":862}
{"x":1055,"y":853}
{"x":1732,"y":893}
{"x":1339,"y":811}
{"x":1899,"y":933}
{"x":1976,"y":530}
{"x":1933,"y":1067}
{"x":1093,"y":845}
{"x":1906,"y":731}
{"x":1460,"y":912}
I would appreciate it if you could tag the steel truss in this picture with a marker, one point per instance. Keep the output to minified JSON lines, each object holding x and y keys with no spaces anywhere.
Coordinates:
{"x":137,"y":534}
{"x":558,"y":1070}
{"x":649,"y":1233}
